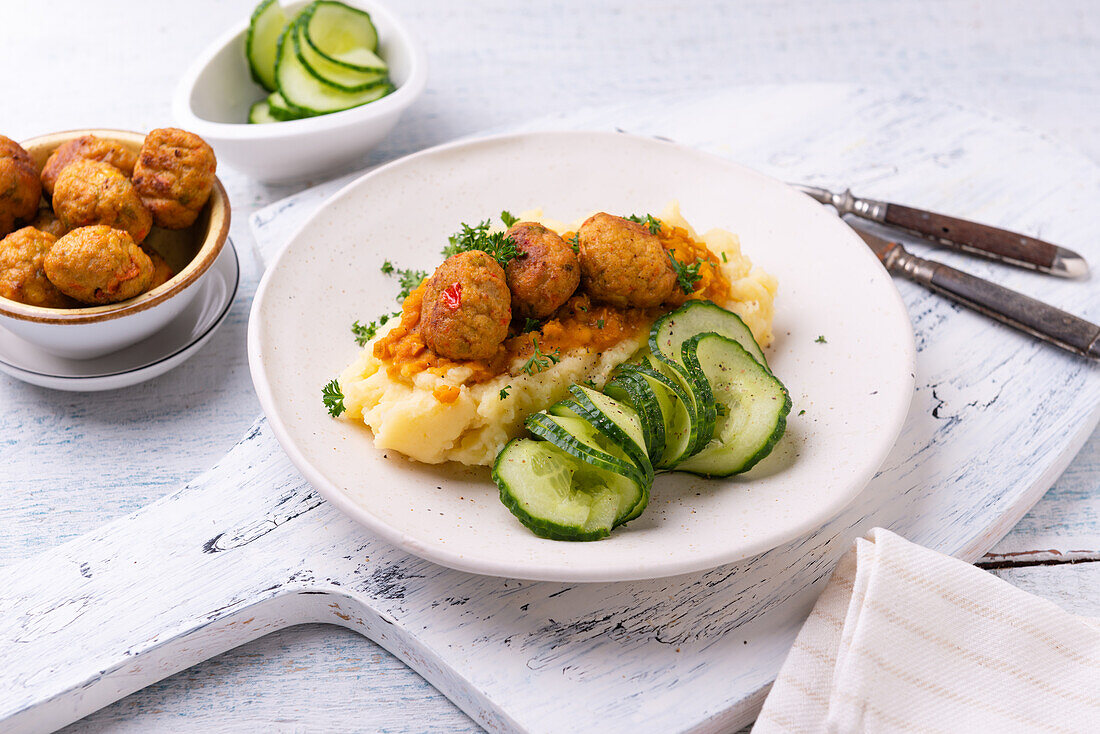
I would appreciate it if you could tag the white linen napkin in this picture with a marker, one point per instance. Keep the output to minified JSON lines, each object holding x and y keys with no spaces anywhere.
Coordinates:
{"x":905,"y":639}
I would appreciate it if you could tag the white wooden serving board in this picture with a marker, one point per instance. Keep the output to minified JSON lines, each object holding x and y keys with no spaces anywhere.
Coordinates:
{"x":248,"y":548}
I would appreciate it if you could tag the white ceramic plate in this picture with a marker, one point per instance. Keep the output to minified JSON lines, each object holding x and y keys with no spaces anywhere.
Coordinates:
{"x":166,"y":349}
{"x":855,"y":388}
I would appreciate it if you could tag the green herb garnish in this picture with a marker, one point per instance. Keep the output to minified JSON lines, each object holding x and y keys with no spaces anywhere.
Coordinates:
{"x":409,"y":280}
{"x":531,"y":325}
{"x":387,"y":267}
{"x":648,"y":220}
{"x":821,"y":340}
{"x":333,"y":398}
{"x":507,"y":218}
{"x":539,"y":360}
{"x":802,"y":412}
{"x":724,"y":259}
{"x":497,"y":245}
{"x":504,"y":391}
{"x":575,"y":243}
{"x":599,"y":323}
{"x":686,"y":275}
{"x":365,"y":332}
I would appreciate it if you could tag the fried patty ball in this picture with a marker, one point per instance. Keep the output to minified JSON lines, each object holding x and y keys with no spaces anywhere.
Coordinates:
{"x":98,"y":265}
{"x":174,"y":176}
{"x":90,"y":148}
{"x":162,"y":271}
{"x":467,"y":307}
{"x":545,"y":272}
{"x":47,"y":221}
{"x":623,"y":263}
{"x":22,"y":277}
{"x":93,"y":192}
{"x":20,"y":189}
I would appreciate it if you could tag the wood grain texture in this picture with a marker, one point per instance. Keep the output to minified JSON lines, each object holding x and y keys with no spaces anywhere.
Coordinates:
{"x":76,"y":461}
{"x":697,"y":651}
{"x":985,"y":239}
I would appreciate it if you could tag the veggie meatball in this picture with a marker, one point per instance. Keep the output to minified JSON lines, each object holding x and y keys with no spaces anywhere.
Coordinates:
{"x":545,"y":272}
{"x":162,"y":271}
{"x":22,"y":277}
{"x":98,"y":265}
{"x":92,"y":192}
{"x":90,"y":148}
{"x":20,"y":189}
{"x":47,"y":221}
{"x":174,"y":176}
{"x":623,"y":263}
{"x":467,"y":307}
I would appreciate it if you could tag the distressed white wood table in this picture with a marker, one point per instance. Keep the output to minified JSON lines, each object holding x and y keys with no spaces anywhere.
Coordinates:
{"x":248,"y":548}
{"x":74,"y":462}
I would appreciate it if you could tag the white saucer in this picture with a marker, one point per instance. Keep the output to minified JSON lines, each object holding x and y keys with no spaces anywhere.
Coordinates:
{"x":166,"y":349}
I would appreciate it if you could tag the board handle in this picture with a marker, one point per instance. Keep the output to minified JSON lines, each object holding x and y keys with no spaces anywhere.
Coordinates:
{"x":155,"y":592}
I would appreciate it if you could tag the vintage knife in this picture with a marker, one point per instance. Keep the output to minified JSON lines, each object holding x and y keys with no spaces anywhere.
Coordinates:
{"x":1007,"y":306}
{"x":980,"y":239}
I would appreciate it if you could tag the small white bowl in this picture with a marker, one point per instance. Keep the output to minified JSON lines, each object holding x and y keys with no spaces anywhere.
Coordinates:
{"x":214,"y":96}
{"x":93,"y":331}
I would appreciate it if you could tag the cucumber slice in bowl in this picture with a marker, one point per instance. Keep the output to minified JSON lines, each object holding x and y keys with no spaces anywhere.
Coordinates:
{"x":558,"y":496}
{"x":262,"y":42}
{"x":282,"y":110}
{"x":260,"y":113}
{"x":756,"y":406}
{"x":342,"y":35}
{"x":336,"y":75}
{"x":303,"y":90}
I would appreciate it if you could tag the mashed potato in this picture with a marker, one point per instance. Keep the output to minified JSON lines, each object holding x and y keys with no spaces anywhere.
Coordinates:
{"x":472,"y":427}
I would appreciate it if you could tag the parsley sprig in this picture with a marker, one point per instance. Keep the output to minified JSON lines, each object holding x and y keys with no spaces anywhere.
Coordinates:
{"x":686,"y":275}
{"x":540,"y":360}
{"x":407,"y":278}
{"x":365,"y":332}
{"x":497,"y":245}
{"x":650,"y":221}
{"x":333,"y":398}
{"x":507,"y":218}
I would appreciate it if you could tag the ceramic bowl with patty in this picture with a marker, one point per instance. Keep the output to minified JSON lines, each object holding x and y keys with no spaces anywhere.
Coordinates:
{"x":92,"y":331}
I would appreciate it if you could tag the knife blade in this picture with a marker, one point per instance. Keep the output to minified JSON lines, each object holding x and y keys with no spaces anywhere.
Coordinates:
{"x":980,"y":239}
{"x":1021,"y":312}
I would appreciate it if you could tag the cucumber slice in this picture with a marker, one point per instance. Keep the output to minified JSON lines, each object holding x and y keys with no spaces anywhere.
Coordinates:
{"x":633,"y":390}
{"x":282,"y":110}
{"x":342,"y":35}
{"x":699,"y":317}
{"x":756,"y":406}
{"x":577,"y":437}
{"x":677,"y":411}
{"x":618,"y":422}
{"x":262,"y":42}
{"x":331,"y":73}
{"x":260,"y":113}
{"x":558,"y":496}
{"x":305,"y":91}
{"x":696,"y":396}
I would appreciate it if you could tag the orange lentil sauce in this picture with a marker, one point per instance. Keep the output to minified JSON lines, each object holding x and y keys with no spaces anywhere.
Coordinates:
{"x":577,"y":324}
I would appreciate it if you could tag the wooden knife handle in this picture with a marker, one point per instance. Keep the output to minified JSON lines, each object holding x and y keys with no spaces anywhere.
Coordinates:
{"x":973,"y":237}
{"x":1021,"y":312}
